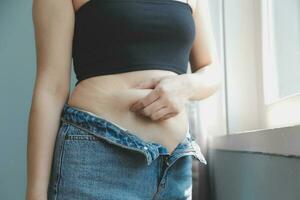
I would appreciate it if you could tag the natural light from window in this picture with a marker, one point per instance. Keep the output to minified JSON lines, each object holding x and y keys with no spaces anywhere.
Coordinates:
{"x":282,"y":49}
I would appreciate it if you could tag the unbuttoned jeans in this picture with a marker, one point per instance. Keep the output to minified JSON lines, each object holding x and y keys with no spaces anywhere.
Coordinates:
{"x":95,"y":158}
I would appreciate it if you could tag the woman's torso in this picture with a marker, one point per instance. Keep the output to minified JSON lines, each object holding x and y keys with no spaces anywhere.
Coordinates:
{"x":110,"y":97}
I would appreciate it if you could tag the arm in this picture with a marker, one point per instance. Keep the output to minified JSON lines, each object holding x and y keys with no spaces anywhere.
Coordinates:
{"x":206,"y":77}
{"x":173,"y":92}
{"x":53,"y":22}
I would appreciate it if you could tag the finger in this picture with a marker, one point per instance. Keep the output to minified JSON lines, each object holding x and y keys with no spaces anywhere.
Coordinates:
{"x":142,"y":103}
{"x":167,"y":116}
{"x":153,"y":107}
{"x":159,"y":114}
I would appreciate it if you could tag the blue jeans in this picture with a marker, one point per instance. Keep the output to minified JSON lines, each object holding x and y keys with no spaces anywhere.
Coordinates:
{"x":95,"y":158}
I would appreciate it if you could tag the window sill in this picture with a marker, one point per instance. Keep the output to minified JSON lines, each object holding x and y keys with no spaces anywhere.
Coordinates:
{"x":284,"y":141}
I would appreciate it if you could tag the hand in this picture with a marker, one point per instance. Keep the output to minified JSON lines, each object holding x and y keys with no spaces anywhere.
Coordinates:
{"x":166,"y":100}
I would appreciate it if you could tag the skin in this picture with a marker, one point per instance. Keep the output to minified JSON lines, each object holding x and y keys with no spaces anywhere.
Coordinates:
{"x":159,"y":98}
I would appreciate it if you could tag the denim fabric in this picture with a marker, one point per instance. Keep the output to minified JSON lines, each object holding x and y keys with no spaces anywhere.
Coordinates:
{"x":95,"y":158}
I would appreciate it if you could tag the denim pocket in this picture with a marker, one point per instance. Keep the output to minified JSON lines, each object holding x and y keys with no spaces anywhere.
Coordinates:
{"x":91,"y":166}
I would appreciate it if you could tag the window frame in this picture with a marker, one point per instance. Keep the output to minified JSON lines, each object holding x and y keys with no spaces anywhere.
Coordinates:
{"x":277,"y":135}
{"x":278,"y":111}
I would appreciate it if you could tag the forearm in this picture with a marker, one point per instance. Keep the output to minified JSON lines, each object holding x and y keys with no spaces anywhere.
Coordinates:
{"x":202,"y":83}
{"x":42,"y":129}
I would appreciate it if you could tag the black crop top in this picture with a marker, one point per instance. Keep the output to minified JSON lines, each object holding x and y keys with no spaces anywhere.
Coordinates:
{"x":114,"y":36}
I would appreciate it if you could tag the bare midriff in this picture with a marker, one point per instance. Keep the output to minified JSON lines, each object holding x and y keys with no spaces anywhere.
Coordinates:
{"x":110,"y":97}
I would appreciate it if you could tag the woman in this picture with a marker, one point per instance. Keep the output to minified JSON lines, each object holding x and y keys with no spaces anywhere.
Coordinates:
{"x":123,"y":131}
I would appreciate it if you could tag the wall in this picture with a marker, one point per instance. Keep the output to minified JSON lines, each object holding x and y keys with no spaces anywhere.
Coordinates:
{"x":16,"y":80}
{"x":261,"y":165}
{"x":17,"y":74}
{"x":254,"y":176}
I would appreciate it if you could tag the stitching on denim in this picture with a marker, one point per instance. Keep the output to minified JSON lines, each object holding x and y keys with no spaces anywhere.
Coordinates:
{"x":59,"y":165}
{"x":81,"y":137}
{"x":108,"y":123}
{"x":88,"y":132}
{"x":112,"y":142}
{"x":129,"y":135}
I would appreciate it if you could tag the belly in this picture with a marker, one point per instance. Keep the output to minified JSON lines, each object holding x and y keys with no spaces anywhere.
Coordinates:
{"x":110,"y":97}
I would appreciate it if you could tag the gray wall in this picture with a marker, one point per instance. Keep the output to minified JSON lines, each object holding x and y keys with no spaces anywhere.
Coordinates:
{"x":17,"y":71}
{"x":17,"y":74}
{"x":254,"y":176}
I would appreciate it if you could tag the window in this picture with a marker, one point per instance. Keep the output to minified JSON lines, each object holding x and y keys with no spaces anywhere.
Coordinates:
{"x":281,"y":33}
{"x":281,"y":62}
{"x":261,"y":57}
{"x":261,"y":43}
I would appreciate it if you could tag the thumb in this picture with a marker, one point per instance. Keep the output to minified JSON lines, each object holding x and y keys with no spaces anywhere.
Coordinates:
{"x":148,"y":84}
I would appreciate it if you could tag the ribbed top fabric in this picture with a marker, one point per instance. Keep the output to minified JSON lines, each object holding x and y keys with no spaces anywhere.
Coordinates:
{"x":115,"y":36}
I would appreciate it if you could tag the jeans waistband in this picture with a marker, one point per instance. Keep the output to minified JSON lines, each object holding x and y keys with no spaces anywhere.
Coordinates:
{"x":119,"y":135}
